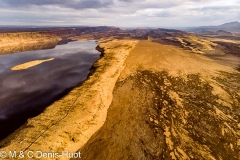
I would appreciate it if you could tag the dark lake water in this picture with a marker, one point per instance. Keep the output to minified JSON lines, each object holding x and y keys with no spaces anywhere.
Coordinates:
{"x":26,"y":93}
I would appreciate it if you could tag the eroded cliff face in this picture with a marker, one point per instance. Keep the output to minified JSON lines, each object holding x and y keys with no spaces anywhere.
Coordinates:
{"x":23,"y":37}
{"x":170,"y":104}
{"x":26,"y":41}
{"x":27,"y":46}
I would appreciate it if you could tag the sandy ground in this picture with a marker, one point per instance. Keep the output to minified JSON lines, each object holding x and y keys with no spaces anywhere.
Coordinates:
{"x":153,"y":56}
{"x":67,"y":124}
{"x":169,"y":103}
{"x":30,"y":64}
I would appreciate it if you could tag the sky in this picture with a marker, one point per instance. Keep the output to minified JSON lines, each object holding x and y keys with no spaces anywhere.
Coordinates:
{"x":121,"y":13}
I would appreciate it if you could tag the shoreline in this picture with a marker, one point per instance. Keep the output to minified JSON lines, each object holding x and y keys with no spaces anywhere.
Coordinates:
{"x":28,"y":96}
{"x":59,"y":128}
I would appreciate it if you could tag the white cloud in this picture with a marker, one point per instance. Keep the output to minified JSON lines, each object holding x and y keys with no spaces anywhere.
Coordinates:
{"x":130,"y":13}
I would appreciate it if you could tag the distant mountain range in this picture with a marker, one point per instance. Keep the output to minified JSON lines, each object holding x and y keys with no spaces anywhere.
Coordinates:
{"x":230,"y":27}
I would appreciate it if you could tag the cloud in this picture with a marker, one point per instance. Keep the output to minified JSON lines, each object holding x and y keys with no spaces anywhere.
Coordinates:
{"x":127,"y":0}
{"x":156,"y":13}
{"x":218,"y":8}
{"x":130,"y":1}
{"x":129,"y":13}
{"x":76,"y":4}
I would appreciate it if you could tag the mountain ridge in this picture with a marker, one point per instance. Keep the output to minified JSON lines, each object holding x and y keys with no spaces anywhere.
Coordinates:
{"x":230,"y":27}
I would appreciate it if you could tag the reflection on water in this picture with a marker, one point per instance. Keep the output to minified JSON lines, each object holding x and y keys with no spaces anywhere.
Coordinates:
{"x":26,"y":93}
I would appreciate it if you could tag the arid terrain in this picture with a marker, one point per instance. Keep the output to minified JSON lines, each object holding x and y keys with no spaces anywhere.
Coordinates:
{"x":153,"y":94}
{"x":179,"y":106}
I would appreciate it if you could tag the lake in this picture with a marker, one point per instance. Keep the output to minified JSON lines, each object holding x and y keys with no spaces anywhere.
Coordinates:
{"x":25,"y":93}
